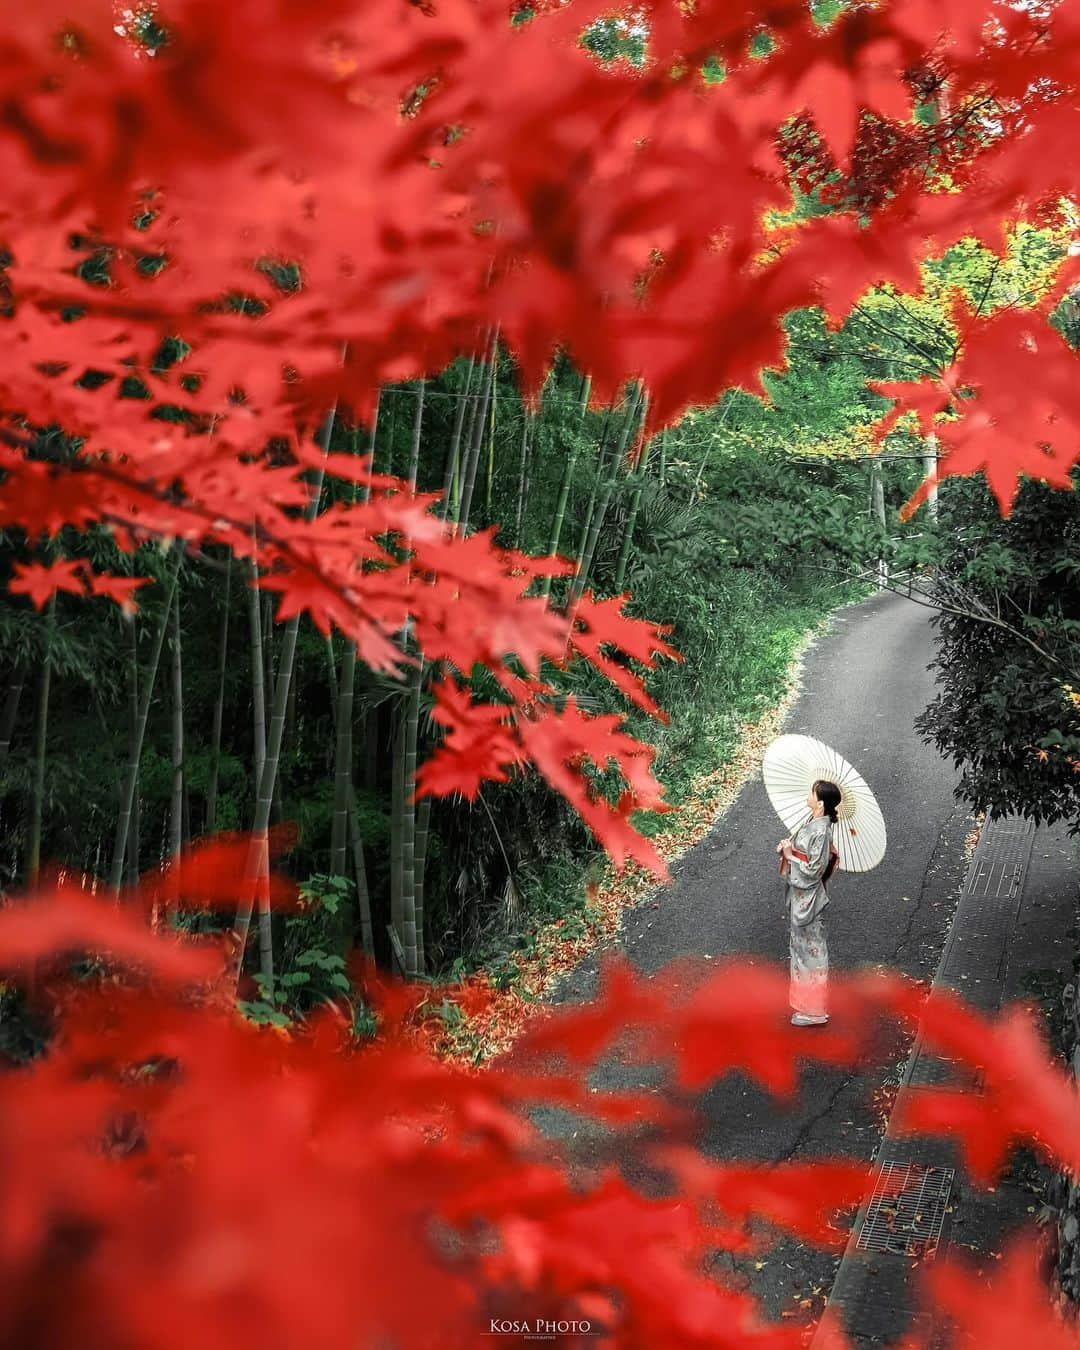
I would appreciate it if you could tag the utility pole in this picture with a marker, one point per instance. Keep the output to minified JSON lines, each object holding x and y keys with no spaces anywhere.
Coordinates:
{"x":877,"y":506}
{"x":930,"y":463}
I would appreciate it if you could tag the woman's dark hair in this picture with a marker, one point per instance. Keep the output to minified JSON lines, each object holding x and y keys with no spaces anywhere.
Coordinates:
{"x":828,"y":794}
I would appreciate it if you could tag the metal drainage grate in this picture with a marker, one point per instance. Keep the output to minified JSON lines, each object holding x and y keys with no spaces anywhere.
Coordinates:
{"x":906,"y":1210}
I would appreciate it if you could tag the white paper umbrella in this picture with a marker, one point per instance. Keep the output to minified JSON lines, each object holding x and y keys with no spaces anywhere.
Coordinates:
{"x":792,"y":765}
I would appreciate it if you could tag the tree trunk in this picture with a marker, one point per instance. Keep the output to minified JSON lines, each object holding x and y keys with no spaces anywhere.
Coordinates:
{"x":41,"y":732}
{"x":219,"y":707}
{"x":127,"y":790}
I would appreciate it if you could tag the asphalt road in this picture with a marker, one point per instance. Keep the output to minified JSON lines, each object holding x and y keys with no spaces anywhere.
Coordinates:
{"x":865,"y":681}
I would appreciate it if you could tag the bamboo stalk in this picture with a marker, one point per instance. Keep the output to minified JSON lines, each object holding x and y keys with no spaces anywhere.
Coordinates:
{"x":411,"y":932}
{"x":454,"y":453}
{"x":423,"y":832}
{"x":363,"y":897}
{"x":133,"y":724}
{"x":461,"y":470}
{"x":489,"y":479}
{"x":127,"y":789}
{"x":290,"y":708}
{"x":526,"y":424}
{"x":258,"y":680}
{"x":478,"y":441}
{"x":10,"y":712}
{"x":41,"y":731}
{"x":418,"y":422}
{"x":268,"y":777}
{"x":366,"y":491}
{"x":343,"y":829}
{"x":219,"y":707}
{"x":594,"y":490}
{"x":397,"y":890}
{"x":266,"y":627}
{"x":176,"y":802}
{"x":566,"y":484}
{"x":343,"y":756}
{"x":356,"y":844}
{"x":586,"y":557}
{"x":631,"y":521}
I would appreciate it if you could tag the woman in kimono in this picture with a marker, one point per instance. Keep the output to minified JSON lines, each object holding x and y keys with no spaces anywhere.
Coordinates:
{"x":805,"y":867}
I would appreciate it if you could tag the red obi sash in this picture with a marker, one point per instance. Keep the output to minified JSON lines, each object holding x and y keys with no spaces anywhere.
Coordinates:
{"x":830,"y":866}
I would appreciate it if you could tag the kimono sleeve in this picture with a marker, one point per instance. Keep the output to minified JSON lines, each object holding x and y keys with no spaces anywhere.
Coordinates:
{"x":809,"y":860}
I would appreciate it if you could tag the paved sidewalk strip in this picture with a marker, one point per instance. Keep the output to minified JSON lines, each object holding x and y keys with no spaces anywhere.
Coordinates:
{"x":875,"y":1291}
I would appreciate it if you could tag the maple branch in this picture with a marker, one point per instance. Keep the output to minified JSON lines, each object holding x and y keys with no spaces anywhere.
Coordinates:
{"x":935,"y":330}
{"x":200,"y":555}
{"x":970,"y":607}
{"x":932,"y":361}
{"x":983,"y":298}
{"x":884,"y":358}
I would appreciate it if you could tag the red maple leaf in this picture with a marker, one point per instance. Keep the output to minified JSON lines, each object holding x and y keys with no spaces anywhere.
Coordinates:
{"x":61,"y":918}
{"x":41,"y":581}
{"x":857,"y":63}
{"x":1018,"y":1310}
{"x":1013,"y":383}
{"x":802,"y":1198}
{"x":600,"y":623}
{"x":479,"y":745}
{"x":118,"y":589}
{"x":559,"y":743}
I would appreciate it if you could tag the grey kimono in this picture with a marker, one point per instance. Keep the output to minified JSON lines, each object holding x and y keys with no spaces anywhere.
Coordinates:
{"x":807,"y":897}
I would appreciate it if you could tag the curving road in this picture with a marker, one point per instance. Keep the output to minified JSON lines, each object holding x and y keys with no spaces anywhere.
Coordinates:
{"x":865,"y":681}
